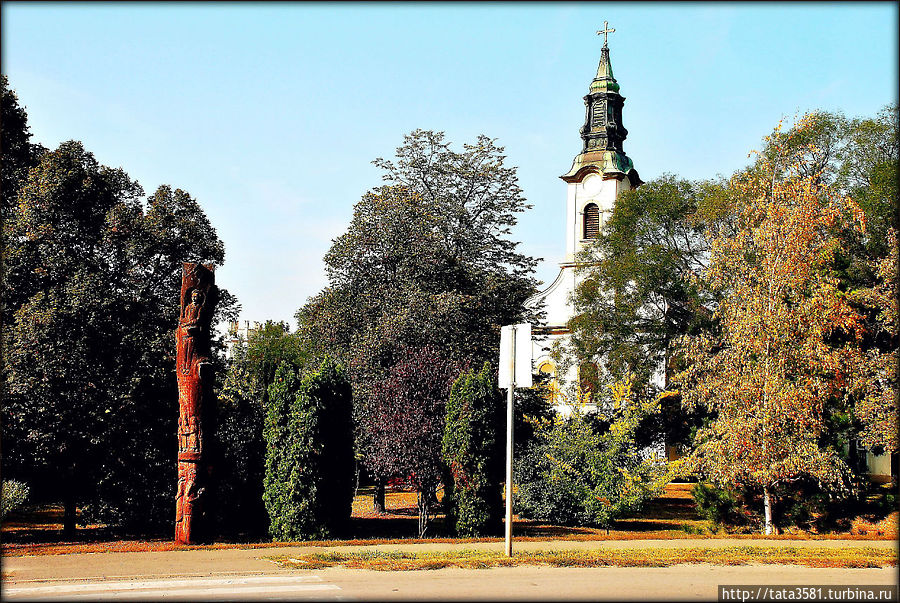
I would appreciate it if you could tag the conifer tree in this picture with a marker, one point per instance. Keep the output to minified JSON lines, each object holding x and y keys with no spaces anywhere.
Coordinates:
{"x":473,"y":453}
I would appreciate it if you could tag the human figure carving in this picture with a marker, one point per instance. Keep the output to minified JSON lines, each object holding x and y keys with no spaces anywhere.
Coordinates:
{"x":191,"y":328}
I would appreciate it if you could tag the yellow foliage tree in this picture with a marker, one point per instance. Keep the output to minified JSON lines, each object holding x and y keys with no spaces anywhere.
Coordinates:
{"x":787,"y":334}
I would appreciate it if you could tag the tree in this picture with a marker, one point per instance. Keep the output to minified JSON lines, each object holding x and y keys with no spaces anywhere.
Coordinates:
{"x":12,"y":496}
{"x":876,"y":381}
{"x":267,"y":348}
{"x":586,"y":469}
{"x":426,"y":261}
{"x":19,"y":153}
{"x":91,"y":285}
{"x":405,"y":423}
{"x":242,"y":404}
{"x":309,"y":453}
{"x":473,"y":452}
{"x":787,"y":332}
{"x":434,"y":240}
{"x":638,"y":292}
{"x":475,"y":198}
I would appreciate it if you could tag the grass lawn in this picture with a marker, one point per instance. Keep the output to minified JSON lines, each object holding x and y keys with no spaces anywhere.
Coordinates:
{"x":645,"y":557}
{"x":38,"y":530}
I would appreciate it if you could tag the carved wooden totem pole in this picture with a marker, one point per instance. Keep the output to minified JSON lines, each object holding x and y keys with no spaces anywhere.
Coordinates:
{"x":195,"y":383}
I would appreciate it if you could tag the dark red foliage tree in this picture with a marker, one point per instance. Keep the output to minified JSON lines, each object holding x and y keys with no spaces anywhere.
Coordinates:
{"x":405,"y":423}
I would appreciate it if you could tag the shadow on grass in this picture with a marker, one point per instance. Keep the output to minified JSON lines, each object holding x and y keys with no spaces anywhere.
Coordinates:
{"x":683,"y":509}
{"x":43,"y":525}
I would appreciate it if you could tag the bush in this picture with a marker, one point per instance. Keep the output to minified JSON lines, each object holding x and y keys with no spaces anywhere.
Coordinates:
{"x":13,"y":495}
{"x":308,"y":484}
{"x":473,"y":452}
{"x":802,"y":504}
{"x":723,"y":507}
{"x":587,"y":470}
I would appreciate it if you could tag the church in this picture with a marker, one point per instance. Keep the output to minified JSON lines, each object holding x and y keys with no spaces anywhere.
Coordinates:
{"x":598,"y":174}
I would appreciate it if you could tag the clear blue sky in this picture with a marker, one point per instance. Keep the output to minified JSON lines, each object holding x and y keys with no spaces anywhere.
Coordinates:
{"x":270,"y":114}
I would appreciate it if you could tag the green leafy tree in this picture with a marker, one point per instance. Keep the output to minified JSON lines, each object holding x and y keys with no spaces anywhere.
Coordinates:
{"x":473,"y":452}
{"x":19,"y":153}
{"x":309,"y":452}
{"x":876,"y":381}
{"x":91,"y":286}
{"x":637,"y":291}
{"x":242,"y":403}
{"x":240,"y":466}
{"x":426,"y":261}
{"x":586,"y":469}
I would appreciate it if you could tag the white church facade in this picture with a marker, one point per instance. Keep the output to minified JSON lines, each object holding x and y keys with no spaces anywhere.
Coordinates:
{"x":599,"y":173}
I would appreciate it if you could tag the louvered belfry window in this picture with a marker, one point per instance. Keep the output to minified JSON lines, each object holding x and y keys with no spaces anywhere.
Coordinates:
{"x":591,"y":221}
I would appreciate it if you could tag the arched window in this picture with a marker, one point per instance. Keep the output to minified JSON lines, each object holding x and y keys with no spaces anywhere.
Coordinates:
{"x":548,"y":369}
{"x":591,"y":221}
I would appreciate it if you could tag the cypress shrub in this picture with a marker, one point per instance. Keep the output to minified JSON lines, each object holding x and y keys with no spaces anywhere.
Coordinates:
{"x":308,"y":484}
{"x":473,"y":453}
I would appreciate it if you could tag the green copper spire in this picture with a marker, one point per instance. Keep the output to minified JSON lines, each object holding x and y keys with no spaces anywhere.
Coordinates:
{"x":604,"y":82}
{"x":603,"y":132}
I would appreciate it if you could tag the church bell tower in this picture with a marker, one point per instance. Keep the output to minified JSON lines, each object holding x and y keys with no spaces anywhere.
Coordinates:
{"x":598,"y":174}
{"x":602,"y":170}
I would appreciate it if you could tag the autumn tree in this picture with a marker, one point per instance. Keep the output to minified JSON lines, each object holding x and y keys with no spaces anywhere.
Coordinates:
{"x":91,"y":282}
{"x":786,"y":343}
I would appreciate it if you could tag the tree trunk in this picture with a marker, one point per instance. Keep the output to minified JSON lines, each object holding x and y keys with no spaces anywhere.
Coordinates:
{"x":69,"y":507}
{"x":378,"y":498}
{"x":424,"y":506}
{"x":767,"y":504}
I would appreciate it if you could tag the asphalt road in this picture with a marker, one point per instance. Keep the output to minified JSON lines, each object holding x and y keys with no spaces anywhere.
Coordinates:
{"x":246,"y":574}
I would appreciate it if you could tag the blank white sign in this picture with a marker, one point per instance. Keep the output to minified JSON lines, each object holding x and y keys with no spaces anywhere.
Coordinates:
{"x":523,"y":354}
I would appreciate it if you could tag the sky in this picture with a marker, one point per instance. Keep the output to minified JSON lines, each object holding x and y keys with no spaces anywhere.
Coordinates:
{"x":270,"y":114}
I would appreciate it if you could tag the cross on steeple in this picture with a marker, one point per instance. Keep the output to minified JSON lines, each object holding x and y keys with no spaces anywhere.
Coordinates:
{"x":605,"y":31}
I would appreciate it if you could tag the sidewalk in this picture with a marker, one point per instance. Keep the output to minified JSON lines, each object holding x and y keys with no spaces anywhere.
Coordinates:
{"x":244,"y":561}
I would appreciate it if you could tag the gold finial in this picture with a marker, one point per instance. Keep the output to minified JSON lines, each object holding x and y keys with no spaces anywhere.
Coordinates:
{"x":605,"y":31}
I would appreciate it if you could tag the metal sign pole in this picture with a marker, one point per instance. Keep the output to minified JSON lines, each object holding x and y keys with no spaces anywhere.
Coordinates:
{"x":509,"y":441}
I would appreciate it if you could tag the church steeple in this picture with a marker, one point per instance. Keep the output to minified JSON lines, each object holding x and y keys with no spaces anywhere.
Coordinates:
{"x":603,"y":132}
{"x":605,"y":81}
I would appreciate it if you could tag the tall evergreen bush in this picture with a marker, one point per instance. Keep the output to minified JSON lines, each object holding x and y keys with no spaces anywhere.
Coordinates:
{"x":472,"y":450}
{"x":308,"y":485}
